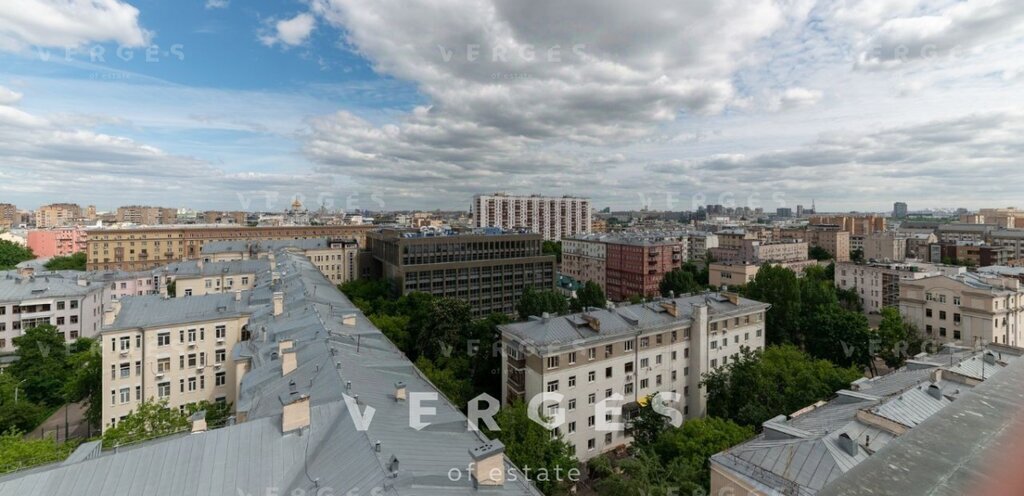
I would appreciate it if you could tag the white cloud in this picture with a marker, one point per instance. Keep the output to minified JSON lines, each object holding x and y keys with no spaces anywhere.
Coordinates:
{"x":9,"y":96}
{"x":69,"y":23}
{"x":291,"y":32}
{"x":217,"y":4}
{"x":795,"y":97}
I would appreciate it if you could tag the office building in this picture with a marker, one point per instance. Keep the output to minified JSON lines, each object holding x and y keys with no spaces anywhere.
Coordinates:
{"x":487,"y":268}
{"x":899,"y":210}
{"x":845,"y":445}
{"x":141,"y":248}
{"x":969,"y":308}
{"x":1009,"y":238}
{"x":58,"y":215}
{"x":552,"y":217}
{"x":625,"y":355}
{"x":977,"y":233}
{"x":27,"y":300}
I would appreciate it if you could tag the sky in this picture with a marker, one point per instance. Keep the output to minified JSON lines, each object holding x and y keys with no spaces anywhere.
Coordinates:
{"x":420,"y":104}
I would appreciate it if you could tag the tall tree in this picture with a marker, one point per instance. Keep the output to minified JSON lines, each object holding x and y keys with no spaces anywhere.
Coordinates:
{"x":85,"y":380}
{"x":818,"y":253}
{"x":679,"y":281}
{"x":590,"y":295}
{"x":42,"y":364}
{"x":150,"y":419}
{"x":840,"y":336}
{"x":552,"y":248}
{"x":11,"y":254}
{"x":536,"y":302}
{"x":897,"y":339}
{"x":530,"y":446}
{"x":779,"y":287}
{"x":75,"y":261}
{"x":445,"y":328}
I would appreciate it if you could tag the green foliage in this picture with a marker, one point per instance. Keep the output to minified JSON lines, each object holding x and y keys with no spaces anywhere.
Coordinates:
{"x":42,"y":364}
{"x":679,"y":281}
{"x":818,"y":253}
{"x":634,"y":299}
{"x":552,"y":248}
{"x":449,"y":375}
{"x":536,"y":302}
{"x":217,"y":413}
{"x":17,"y":453}
{"x":85,"y":380}
{"x":23,"y":414}
{"x":444,"y":329}
{"x":367,"y":293}
{"x":778,"y":380}
{"x":857,"y":255}
{"x":590,"y":295}
{"x":839,"y":336}
{"x":529,"y":445}
{"x":71,"y":262}
{"x":897,"y":339}
{"x":647,"y":424}
{"x":172,"y":289}
{"x":396,"y":328}
{"x":11,"y":254}
{"x":149,"y":420}
{"x":779,"y":287}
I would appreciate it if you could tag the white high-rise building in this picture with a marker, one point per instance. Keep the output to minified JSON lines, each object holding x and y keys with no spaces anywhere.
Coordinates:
{"x":553,"y":217}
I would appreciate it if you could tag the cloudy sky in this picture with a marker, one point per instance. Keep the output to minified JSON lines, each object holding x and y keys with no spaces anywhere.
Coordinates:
{"x":422,"y":103}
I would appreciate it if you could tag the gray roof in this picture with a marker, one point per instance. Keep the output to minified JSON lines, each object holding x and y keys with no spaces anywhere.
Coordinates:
{"x":18,"y":288}
{"x":963,"y":449}
{"x":334,"y":359}
{"x":573,"y":329}
{"x":197,"y":268}
{"x":265,"y":245}
{"x":157,"y":310}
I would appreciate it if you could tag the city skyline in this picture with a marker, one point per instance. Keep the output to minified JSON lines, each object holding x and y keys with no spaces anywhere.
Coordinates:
{"x":422,"y":106}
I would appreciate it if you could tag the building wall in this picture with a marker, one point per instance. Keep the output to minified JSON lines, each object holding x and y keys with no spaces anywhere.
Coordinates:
{"x":213,"y":284}
{"x":339,"y":263}
{"x":948,"y":310}
{"x":142,"y":353}
{"x":8,"y":216}
{"x":854,"y":224}
{"x":731,"y":273}
{"x":58,"y":215}
{"x":147,"y":248}
{"x":584,"y":260}
{"x":74,"y":316}
{"x":888,"y":247}
{"x":57,"y":242}
{"x":552,"y":217}
{"x":634,"y":269}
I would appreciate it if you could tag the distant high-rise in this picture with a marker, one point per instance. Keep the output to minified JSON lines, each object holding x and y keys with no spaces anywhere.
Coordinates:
{"x":899,"y":210}
{"x":552,"y":217}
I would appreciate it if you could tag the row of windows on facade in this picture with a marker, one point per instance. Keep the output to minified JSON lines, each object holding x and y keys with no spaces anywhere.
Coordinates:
{"x":164,"y":338}
{"x":18,"y":325}
{"x":123,"y":395}
{"x":228,"y":282}
{"x":42,"y":307}
{"x":163,"y":365}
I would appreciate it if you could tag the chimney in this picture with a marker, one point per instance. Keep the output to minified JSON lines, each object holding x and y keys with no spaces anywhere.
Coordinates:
{"x":278,"y":303}
{"x":238,"y":295}
{"x":110,"y":314}
{"x":273,"y":261}
{"x":989,"y":358}
{"x":847,"y":444}
{"x":349,"y":319}
{"x":488,"y":464}
{"x":275,"y":277}
{"x":284,"y":344}
{"x":935,"y":392}
{"x":198,"y":421}
{"x":936,"y":375}
{"x":400,"y":391}
{"x":199,"y":264}
{"x":288,"y":361}
{"x":82,"y":282}
{"x":295,"y":414}
{"x":26,"y":271}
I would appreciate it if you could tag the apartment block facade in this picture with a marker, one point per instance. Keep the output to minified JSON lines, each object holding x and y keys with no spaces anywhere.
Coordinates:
{"x":488,"y":269}
{"x":58,"y":215}
{"x":887,"y":246}
{"x":338,"y":259}
{"x":970,"y":308}
{"x":73,"y":306}
{"x":9,"y":216}
{"x":618,"y":358}
{"x":583,"y":259}
{"x":877,"y":284}
{"x":861,"y":225}
{"x":552,"y":217}
{"x":149,"y":216}
{"x":636,"y":266}
{"x":176,"y":350}
{"x":57,"y":242}
{"x":144,"y":248}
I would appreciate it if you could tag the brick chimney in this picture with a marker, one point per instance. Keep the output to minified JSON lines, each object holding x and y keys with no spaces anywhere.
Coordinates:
{"x":278,"y":300}
{"x":289,"y":361}
{"x":295,"y":414}
{"x":488,"y":464}
{"x":110,"y":314}
{"x":198,"y":421}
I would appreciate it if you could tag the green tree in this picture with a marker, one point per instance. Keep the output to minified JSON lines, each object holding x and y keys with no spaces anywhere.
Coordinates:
{"x":17,"y":453}
{"x":85,"y":380}
{"x":530,"y":446}
{"x":857,"y":255}
{"x":536,"y":302}
{"x":552,"y":248}
{"x":217,"y":412}
{"x":897,"y":339}
{"x":840,"y":336}
{"x":818,"y":253}
{"x":75,"y":261}
{"x":396,"y":328}
{"x":679,"y":281}
{"x":779,"y":287}
{"x":42,"y":364}
{"x":367,"y":294}
{"x":451,"y":376}
{"x":445,"y":328}
{"x":647,"y":424}
{"x":590,"y":295}
{"x":149,"y":420}
{"x":696,"y":441}
{"x":763,"y":384}
{"x":22,"y":415}
{"x":485,"y":357}
{"x":11,"y":254}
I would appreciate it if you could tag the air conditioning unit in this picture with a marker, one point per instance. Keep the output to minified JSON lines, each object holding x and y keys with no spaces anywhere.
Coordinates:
{"x":124,"y":353}
{"x":218,"y":366}
{"x":220,"y":340}
{"x":200,"y":368}
{"x":159,"y":375}
{"x":192,"y":344}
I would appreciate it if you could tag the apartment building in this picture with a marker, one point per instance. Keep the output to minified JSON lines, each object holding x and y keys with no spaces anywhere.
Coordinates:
{"x":970,"y":308}
{"x":220,"y":217}
{"x":1009,"y":218}
{"x":1009,"y":238}
{"x":173,"y":349}
{"x":782,"y":251}
{"x":887,"y":246}
{"x":730,"y":244}
{"x":552,"y":217}
{"x":337,"y":259}
{"x":9,"y":216}
{"x":635,"y":266}
{"x":857,"y":225}
{"x":58,"y":215}
{"x":731,"y":274}
{"x":868,"y":438}
{"x":829,"y":238}
{"x":143,"y":248}
{"x":149,"y":216}
{"x":488,"y":268}
{"x":952,"y":233}
{"x":200,"y":278}
{"x":619,"y":357}
{"x":877,"y":284}
{"x":57,"y":242}
{"x":699,"y":243}
{"x":583,"y":258}
{"x":73,"y":306}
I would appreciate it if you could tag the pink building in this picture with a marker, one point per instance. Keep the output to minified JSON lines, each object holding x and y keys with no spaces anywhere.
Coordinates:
{"x":57,"y":242}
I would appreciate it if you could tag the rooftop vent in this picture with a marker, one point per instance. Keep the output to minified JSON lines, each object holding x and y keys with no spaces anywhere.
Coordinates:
{"x":847,"y":444}
{"x":935,"y":392}
{"x":400,"y":391}
{"x":488,"y":464}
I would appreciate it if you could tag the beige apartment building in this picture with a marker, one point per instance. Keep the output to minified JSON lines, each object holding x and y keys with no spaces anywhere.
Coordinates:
{"x":337,"y":259}
{"x":552,"y":217}
{"x":861,"y":225}
{"x":625,"y":355}
{"x":150,"y":216}
{"x":583,"y":259}
{"x":829,"y":238}
{"x":733,"y":274}
{"x":877,"y":284}
{"x":200,"y":278}
{"x":73,"y":306}
{"x":888,"y":247}
{"x":9,"y":216}
{"x":972,"y":309}
{"x":176,"y":349}
{"x":58,"y":215}
{"x":1009,"y":217}
{"x":145,"y":248}
{"x":782,"y":251}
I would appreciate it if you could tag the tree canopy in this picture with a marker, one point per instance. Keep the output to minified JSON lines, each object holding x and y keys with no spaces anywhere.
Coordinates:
{"x":590,"y":295}
{"x":779,"y":287}
{"x":679,"y":281}
{"x":42,"y":364}
{"x":535,"y":302}
{"x":74,"y":261}
{"x":530,"y":446}
{"x":11,"y":254}
{"x":150,"y":419}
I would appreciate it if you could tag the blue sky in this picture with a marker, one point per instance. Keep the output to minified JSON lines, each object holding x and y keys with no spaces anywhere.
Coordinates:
{"x":422,"y":103}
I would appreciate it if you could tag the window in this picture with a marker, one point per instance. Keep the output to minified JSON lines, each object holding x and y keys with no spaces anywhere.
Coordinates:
{"x":657,"y":359}
{"x":192,"y":361}
{"x":674,"y":355}
{"x":608,"y":373}
{"x":572,"y":404}
{"x":942,"y":315}
{"x":657,"y":339}
{"x":674,"y":336}
{"x":927,"y":312}
{"x":60,"y":320}
{"x":220,"y":356}
{"x":590,"y":421}
{"x":607,"y":393}
{"x":138,"y":367}
{"x":928,"y":329}
{"x":572,"y":427}
{"x":163,"y":389}
{"x":163,"y":339}
{"x":572,"y":358}
{"x":714,"y":363}
{"x":645,"y":342}
{"x":608,"y":438}
{"x":126,"y":343}
{"x":629,"y":345}
{"x":163,"y":365}
{"x":644,"y":363}
{"x":942,"y":331}
{"x":126,"y":370}
{"x":607,"y":350}
{"x":74,"y":304}
{"x":553,"y":362}
{"x":628,"y":367}
{"x":644,"y":383}
{"x":956,"y":334}
{"x":572,"y":381}
{"x":591,"y":444}
{"x":191,"y":384}
{"x":628,"y":388}
{"x":591,"y":376}
{"x":125,"y":395}
{"x":591,"y":399}
{"x":191,"y":335}
{"x":657,"y":380}
{"x":591,"y":353}
{"x":552,"y":386}
{"x":956,"y":317}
